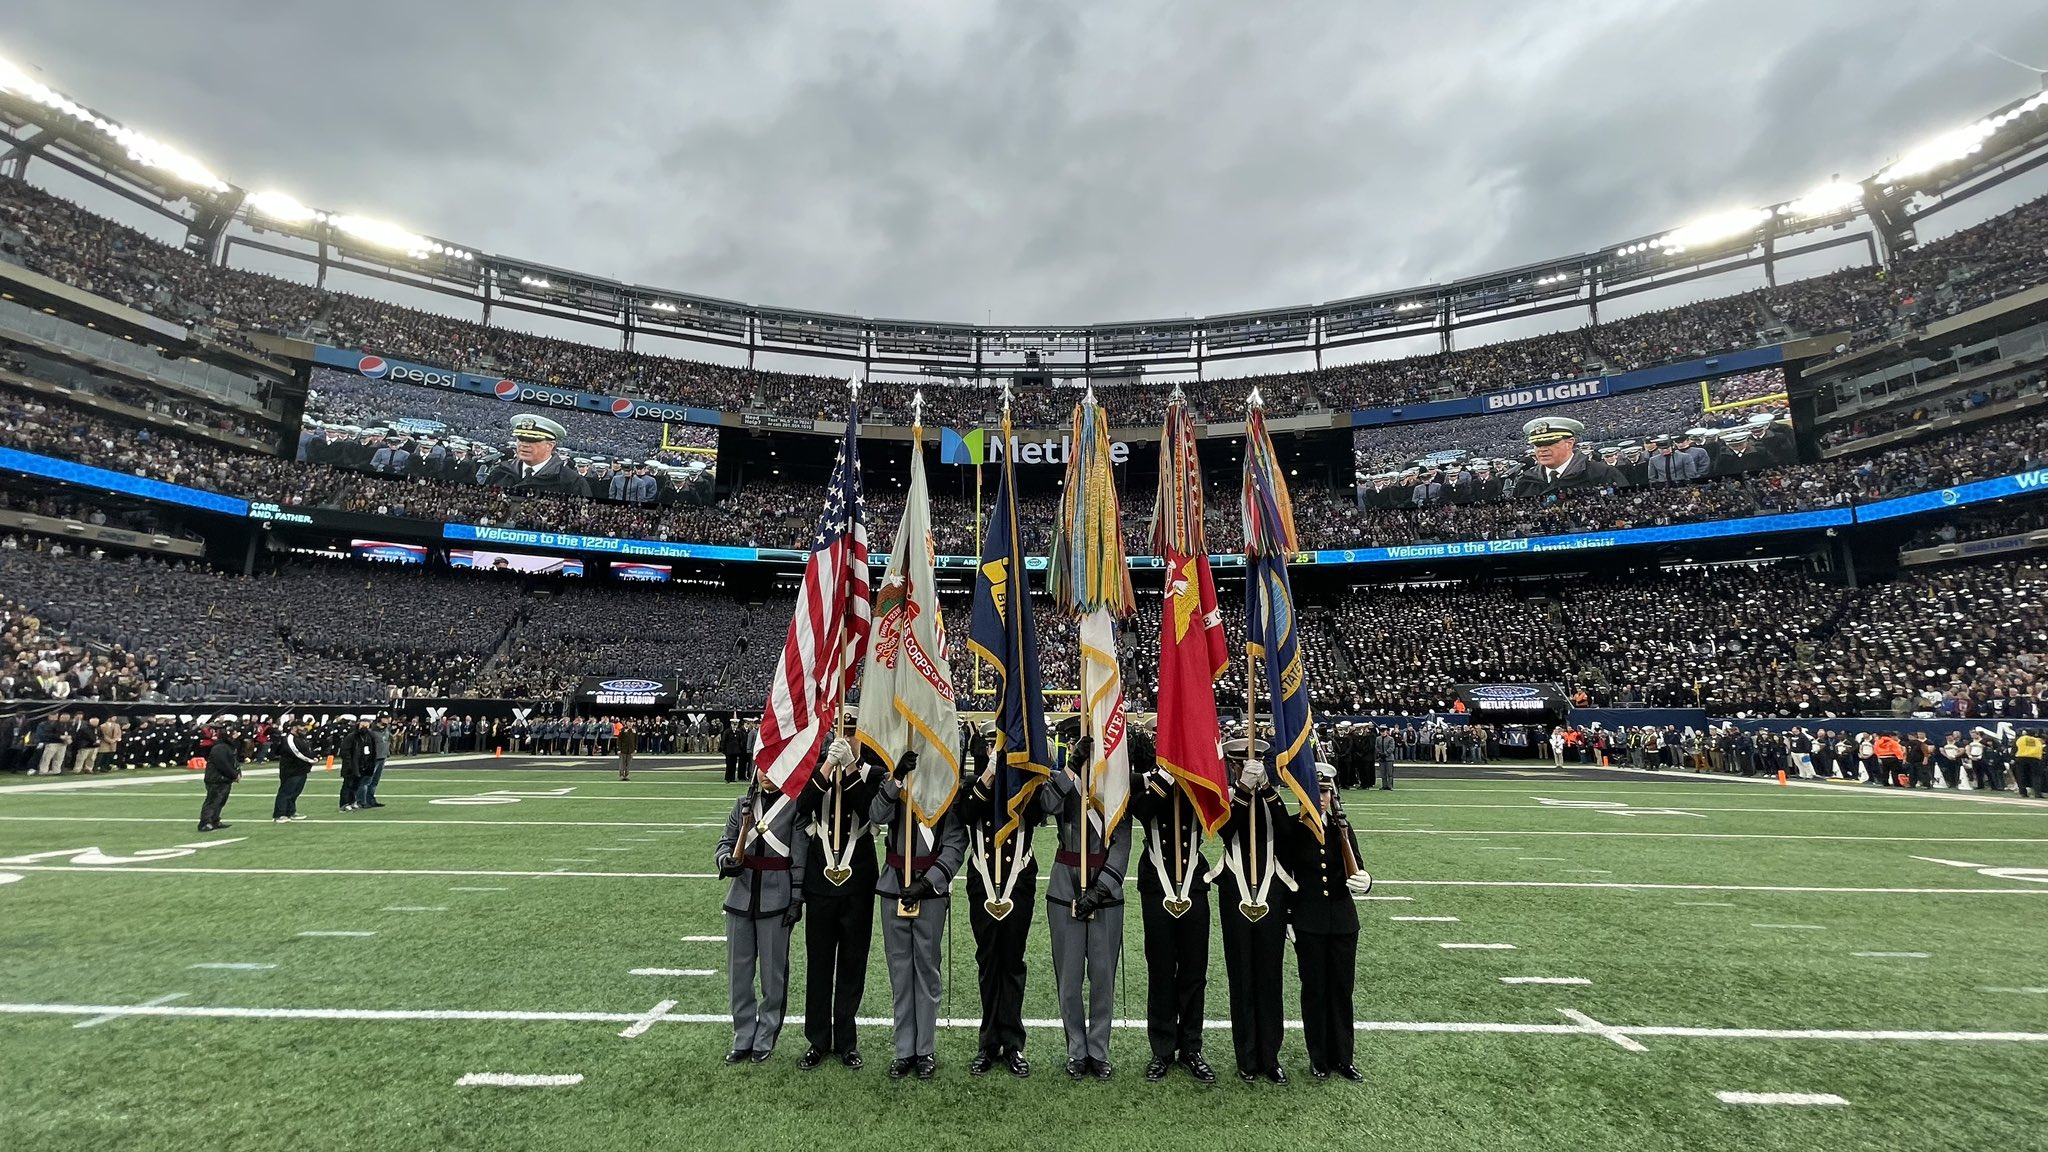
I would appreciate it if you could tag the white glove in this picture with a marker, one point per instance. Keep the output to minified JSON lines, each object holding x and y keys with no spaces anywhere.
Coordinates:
{"x":1359,"y":882}
{"x":840,"y":754}
{"x":1254,"y":773}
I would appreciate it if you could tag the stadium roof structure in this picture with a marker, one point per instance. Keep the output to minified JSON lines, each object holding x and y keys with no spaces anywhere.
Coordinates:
{"x":37,"y":122}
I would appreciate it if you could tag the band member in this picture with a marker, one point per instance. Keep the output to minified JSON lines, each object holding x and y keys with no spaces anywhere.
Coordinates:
{"x":839,"y":889}
{"x":762,"y":852}
{"x":1325,"y":923}
{"x":1253,"y":907}
{"x":1086,"y":915}
{"x":914,"y":900}
{"x":1002,"y":884}
{"x":1174,"y":895}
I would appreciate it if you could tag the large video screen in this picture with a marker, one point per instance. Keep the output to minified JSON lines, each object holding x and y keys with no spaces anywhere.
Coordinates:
{"x":1678,"y":434}
{"x":635,"y":570}
{"x":514,"y":562}
{"x":415,"y":431}
{"x":384,"y":551}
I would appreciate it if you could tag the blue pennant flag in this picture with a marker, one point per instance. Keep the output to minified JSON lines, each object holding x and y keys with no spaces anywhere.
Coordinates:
{"x":1273,"y":644}
{"x":1005,"y":635}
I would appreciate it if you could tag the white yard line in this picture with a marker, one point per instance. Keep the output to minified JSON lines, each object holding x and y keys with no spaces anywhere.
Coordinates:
{"x":1793,"y":1098}
{"x":1539,"y":859}
{"x":724,"y":1020}
{"x":703,"y":939}
{"x":1589,"y":871}
{"x":479,"y":889}
{"x":1544,"y":980}
{"x":1797,"y":927}
{"x":1702,"y":904}
{"x":349,"y":934}
{"x":648,"y":1019}
{"x":517,"y":1080}
{"x":1425,"y":919}
{"x":1478,"y":947}
{"x":414,"y":908}
{"x":1620,"y":1038}
{"x":1891,"y":955}
{"x":237,"y":967}
{"x":96,"y":1021}
{"x":673,"y":972}
{"x":2018,"y":991}
{"x":1402,"y":899}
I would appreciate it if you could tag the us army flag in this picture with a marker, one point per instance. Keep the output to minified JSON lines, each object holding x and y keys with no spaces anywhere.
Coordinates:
{"x":906,"y":689}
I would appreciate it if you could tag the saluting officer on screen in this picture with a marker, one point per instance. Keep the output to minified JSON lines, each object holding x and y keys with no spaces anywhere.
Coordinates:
{"x":534,"y":465}
{"x":1557,"y":462}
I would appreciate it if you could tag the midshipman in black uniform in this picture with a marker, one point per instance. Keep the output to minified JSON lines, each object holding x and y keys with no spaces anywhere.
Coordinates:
{"x":839,"y":889}
{"x":1173,"y":890}
{"x":1002,"y":888}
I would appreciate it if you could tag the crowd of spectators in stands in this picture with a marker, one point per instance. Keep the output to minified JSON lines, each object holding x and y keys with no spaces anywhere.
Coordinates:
{"x":1948,"y":275}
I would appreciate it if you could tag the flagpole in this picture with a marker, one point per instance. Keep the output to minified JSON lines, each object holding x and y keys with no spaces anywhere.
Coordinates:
{"x":1251,"y":699}
{"x":1003,"y":438}
{"x":840,"y":672}
{"x":904,"y":910}
{"x":1087,"y":719}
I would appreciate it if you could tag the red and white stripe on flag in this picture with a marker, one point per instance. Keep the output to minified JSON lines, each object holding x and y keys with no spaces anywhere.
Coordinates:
{"x":809,"y":686}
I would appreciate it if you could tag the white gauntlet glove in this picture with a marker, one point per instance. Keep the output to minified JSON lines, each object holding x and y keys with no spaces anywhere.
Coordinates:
{"x":840,"y":754}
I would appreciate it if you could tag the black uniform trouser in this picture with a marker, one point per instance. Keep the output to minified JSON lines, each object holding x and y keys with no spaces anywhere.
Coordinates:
{"x":732,"y":767}
{"x":1891,"y":768}
{"x":288,"y":789}
{"x":1329,"y":970}
{"x":841,"y":927}
{"x":350,"y":785}
{"x":216,"y":799}
{"x":1176,"y":975}
{"x":999,"y":964}
{"x":1252,"y":961}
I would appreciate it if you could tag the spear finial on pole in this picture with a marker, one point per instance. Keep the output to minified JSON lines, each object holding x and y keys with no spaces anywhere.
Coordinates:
{"x":917,"y":409}
{"x":1006,"y":395}
{"x":1254,"y":400}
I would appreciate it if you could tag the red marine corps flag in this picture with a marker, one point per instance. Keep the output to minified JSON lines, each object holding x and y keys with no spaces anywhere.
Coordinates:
{"x":828,"y":635}
{"x":1193,"y":653}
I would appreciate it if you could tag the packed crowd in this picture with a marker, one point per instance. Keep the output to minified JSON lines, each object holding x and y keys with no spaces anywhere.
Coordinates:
{"x":2026,"y":385}
{"x":1956,"y":272}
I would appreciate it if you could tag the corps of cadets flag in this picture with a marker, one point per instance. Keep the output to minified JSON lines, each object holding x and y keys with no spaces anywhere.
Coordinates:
{"x":827,"y":635}
{"x":1271,"y":641}
{"x":1193,"y":653}
{"x":906,"y":690}
{"x":1004,"y":634}
{"x":1087,"y":577}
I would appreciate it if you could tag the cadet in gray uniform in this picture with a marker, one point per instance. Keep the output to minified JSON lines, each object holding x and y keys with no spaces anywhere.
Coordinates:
{"x":1087,"y":923}
{"x":762,"y":852}
{"x":913,"y":905}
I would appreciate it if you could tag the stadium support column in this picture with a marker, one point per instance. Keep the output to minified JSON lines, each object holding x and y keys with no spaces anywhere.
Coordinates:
{"x":1593,"y":301}
{"x":626,"y":327}
{"x":1771,"y":250}
{"x":1443,"y":326}
{"x":485,"y":283}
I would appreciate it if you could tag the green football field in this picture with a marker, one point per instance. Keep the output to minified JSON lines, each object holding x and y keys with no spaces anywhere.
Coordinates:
{"x":1655,"y":942}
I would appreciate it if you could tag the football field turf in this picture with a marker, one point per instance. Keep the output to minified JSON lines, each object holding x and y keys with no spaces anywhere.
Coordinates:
{"x":1654,"y":942}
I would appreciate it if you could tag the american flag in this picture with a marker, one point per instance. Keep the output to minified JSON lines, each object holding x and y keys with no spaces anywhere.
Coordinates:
{"x":832,"y":610}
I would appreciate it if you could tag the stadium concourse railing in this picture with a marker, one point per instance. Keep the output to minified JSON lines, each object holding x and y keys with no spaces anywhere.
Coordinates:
{"x":1534,"y":394}
{"x":49,"y":468}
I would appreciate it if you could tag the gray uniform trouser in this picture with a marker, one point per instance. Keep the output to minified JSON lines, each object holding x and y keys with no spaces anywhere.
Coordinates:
{"x":750,"y":944}
{"x":1090,"y":948}
{"x":911,"y":945}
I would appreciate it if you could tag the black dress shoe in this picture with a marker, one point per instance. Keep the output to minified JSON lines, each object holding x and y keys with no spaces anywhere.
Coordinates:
{"x":1277,"y":1074}
{"x":927,"y":1066}
{"x":982,"y":1062}
{"x":1103,"y":1069}
{"x":738,"y":1056}
{"x":761,"y":1055}
{"x":1019,"y":1066}
{"x":900,"y":1067}
{"x":810,"y":1059}
{"x":1076,"y":1069}
{"x":1156,"y":1071}
{"x":1350,"y":1072}
{"x":851,"y":1058}
{"x":218,"y":827}
{"x":1198,"y":1068}
{"x":1319,"y":1072}
{"x":1247,"y":1077}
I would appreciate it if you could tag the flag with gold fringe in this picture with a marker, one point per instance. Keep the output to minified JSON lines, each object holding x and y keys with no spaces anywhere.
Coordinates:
{"x":1193,"y":653}
{"x":1272,"y":643}
{"x":1089,"y":579}
{"x":1004,"y":633}
{"x":906,"y":689}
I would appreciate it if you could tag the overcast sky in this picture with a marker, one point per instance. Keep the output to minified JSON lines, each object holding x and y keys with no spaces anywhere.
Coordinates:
{"x":1051,"y":161}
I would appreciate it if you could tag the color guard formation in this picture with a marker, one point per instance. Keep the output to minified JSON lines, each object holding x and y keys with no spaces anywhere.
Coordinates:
{"x":878,"y":820}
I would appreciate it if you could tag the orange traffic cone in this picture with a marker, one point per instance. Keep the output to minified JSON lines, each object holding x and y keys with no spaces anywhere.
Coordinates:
{"x":330,"y":763}
{"x":1781,"y":776}
{"x":500,"y":752}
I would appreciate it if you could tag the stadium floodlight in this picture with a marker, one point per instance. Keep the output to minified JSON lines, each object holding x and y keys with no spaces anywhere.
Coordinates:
{"x":1957,"y":143}
{"x":1728,"y":225}
{"x":385,"y":235}
{"x":1826,"y":200}
{"x":282,"y":207}
{"x":535,"y":282}
{"x":141,"y":148}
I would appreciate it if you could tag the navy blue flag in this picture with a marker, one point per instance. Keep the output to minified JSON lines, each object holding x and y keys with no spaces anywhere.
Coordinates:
{"x":1005,"y":635}
{"x":1274,"y":646}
